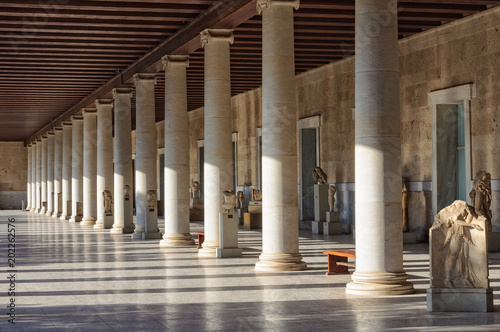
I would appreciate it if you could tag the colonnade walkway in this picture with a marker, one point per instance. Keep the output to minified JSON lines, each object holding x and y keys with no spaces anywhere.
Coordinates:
{"x":74,"y":278}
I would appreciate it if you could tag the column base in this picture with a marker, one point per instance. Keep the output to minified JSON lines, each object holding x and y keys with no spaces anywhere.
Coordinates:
{"x":121,"y":230}
{"x":42,"y":211}
{"x":75,"y":219}
{"x":138,"y":233}
{"x":177,"y":240}
{"x":209,"y":249}
{"x":48,"y":213}
{"x":33,"y":209}
{"x":280,"y":262}
{"x":99,"y":224}
{"x":28,"y":208}
{"x":87,"y":222}
{"x":379,"y":284}
{"x":55,"y":215}
{"x":64,"y":217}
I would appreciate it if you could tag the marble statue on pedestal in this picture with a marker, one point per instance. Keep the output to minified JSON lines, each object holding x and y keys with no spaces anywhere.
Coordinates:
{"x":319,"y":175}
{"x":152,"y":200}
{"x":195,"y":189}
{"x":108,"y":201}
{"x":126,"y":192}
{"x":480,"y":196}
{"x":404,"y":203}
{"x":331,"y":197}
{"x":241,"y":199}
{"x":228,"y":200}
{"x":256,"y":195}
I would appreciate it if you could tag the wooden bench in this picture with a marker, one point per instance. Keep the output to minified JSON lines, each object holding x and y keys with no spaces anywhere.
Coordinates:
{"x":201,"y":239}
{"x":337,"y":261}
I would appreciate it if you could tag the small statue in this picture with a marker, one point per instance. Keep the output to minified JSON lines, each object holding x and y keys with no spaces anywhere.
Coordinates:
{"x":228,"y":200}
{"x":319,"y":176}
{"x":126,"y":192}
{"x":256,"y":195}
{"x":241,"y":199}
{"x":108,"y":201}
{"x":79,"y":209}
{"x":404,"y":203}
{"x":195,"y":189}
{"x":480,"y":197}
{"x":331,"y":197}
{"x":152,"y":200}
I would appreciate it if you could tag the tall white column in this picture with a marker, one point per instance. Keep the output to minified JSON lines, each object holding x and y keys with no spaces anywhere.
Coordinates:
{"x":89,"y":166}
{"x":33,"y":177}
{"x":50,"y":173}
{"x":38,"y":203}
{"x":379,"y":236}
{"x":66,"y":183}
{"x":176,"y":173}
{"x":28,"y":173}
{"x":58,"y":149}
{"x":123,"y":180}
{"x":104,"y":162}
{"x":77,"y":169}
{"x":280,"y":217}
{"x":146,"y":205}
{"x":218,"y":140}
{"x":43,"y":177}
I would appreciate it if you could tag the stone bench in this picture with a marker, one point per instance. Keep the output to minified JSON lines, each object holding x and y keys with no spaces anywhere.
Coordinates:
{"x":337,"y":261}
{"x":201,"y":239}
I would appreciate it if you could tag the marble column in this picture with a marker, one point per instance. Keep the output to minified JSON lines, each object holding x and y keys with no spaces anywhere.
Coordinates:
{"x":218,"y":139}
{"x":66,"y":182}
{"x":123,"y":180}
{"x":43,"y":174}
{"x":379,"y":236}
{"x":104,"y":163}
{"x":28,"y":174}
{"x":176,"y":155}
{"x":38,"y":203}
{"x":50,"y":173}
{"x":280,"y":217}
{"x":89,"y":166}
{"x":33,"y":177}
{"x":58,"y":144}
{"x":77,"y":169}
{"x":146,"y":198}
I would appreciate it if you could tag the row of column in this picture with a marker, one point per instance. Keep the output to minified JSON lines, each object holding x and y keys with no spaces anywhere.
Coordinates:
{"x":379,"y":268}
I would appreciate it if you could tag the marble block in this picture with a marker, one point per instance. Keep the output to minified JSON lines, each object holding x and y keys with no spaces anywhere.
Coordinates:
{"x":317,"y":227}
{"x":493,"y":241}
{"x":332,"y":216}
{"x":108,"y":221}
{"x":320,"y":201}
{"x":332,"y":228}
{"x":252,"y":220}
{"x":459,"y":300}
{"x":228,"y":232}
{"x":409,"y":237}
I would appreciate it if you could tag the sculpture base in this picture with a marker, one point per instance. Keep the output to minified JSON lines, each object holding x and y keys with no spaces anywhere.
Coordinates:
{"x":48,"y":213}
{"x":332,"y":216}
{"x":459,"y":300}
{"x":151,"y":236}
{"x":332,"y":228}
{"x":320,"y":201}
{"x":409,"y":237}
{"x":493,"y":241}
{"x":56,"y":215}
{"x":317,"y":227}
{"x":106,"y":223}
{"x":229,"y":252}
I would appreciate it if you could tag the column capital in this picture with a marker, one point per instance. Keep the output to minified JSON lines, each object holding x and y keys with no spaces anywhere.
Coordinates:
{"x":51,"y":133}
{"x":39,"y":139}
{"x":181,"y":60}
{"x":28,"y":145}
{"x":144,"y":77}
{"x":59,"y":128}
{"x":86,"y":111}
{"x":45,"y":136}
{"x":77,"y":118}
{"x":266,"y":4}
{"x":118,"y":91}
{"x":209,"y":35}
{"x":67,"y":123}
{"x":104,"y":102}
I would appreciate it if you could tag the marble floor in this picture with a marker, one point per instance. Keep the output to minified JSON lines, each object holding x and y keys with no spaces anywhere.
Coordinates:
{"x":74,"y":278}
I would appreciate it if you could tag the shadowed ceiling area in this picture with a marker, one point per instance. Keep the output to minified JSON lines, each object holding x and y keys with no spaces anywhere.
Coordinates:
{"x":59,"y":56}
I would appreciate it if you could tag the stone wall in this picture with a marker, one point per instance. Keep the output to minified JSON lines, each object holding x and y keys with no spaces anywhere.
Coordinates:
{"x":13,"y":174}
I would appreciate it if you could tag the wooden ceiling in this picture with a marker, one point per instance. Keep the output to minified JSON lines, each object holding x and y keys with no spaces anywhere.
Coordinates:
{"x":58,"y":56}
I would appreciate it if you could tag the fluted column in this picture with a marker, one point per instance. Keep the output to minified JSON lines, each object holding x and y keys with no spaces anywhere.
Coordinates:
{"x":280,"y":218}
{"x":123,"y":180}
{"x":176,"y":155}
{"x":50,"y":173}
{"x":218,"y":141}
{"x":28,"y":173}
{"x":145,"y":159}
{"x":89,"y":166}
{"x":33,"y":177}
{"x":66,"y":183}
{"x":104,"y":163}
{"x":38,"y":178}
{"x":77,"y":169}
{"x":43,"y":176}
{"x":58,"y":148}
{"x":379,"y":236}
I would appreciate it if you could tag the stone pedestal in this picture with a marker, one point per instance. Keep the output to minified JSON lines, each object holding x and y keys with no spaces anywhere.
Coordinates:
{"x":460,"y":300}
{"x":196,"y":209}
{"x":320,"y":201}
{"x":317,"y":227}
{"x":332,"y":216}
{"x":252,"y":220}
{"x":493,"y":241}
{"x":409,"y":237}
{"x":332,"y":228}
{"x":228,"y":232}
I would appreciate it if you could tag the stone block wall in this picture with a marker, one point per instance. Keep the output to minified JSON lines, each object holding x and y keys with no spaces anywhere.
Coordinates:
{"x":13,"y":175}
